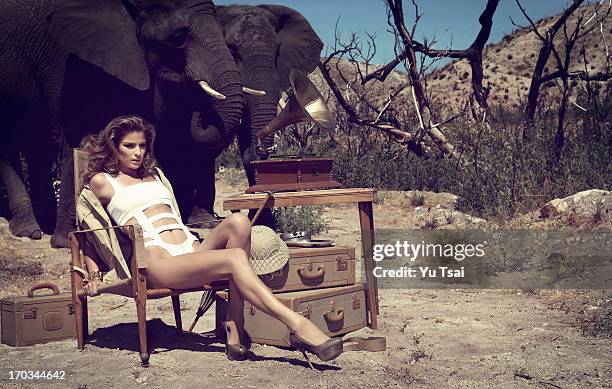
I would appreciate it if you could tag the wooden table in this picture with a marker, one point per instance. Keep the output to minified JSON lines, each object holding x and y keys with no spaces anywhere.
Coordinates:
{"x":362,"y":196}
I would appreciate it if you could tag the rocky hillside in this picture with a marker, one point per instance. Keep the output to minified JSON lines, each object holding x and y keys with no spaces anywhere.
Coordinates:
{"x":508,"y":66}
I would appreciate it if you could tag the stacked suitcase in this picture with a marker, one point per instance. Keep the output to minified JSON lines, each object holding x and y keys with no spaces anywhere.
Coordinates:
{"x":318,"y":283}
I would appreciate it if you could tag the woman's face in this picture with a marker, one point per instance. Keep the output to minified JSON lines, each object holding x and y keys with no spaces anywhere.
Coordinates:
{"x":131,"y":150}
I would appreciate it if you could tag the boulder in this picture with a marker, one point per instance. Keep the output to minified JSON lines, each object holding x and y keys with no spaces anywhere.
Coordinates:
{"x":593,"y":204}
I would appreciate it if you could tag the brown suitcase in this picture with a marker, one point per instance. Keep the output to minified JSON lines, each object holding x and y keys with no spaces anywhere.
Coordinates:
{"x":314,"y":268}
{"x":336,"y":311}
{"x":37,"y":319}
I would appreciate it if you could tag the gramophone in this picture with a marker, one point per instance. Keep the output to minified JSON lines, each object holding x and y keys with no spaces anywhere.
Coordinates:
{"x":296,"y":173}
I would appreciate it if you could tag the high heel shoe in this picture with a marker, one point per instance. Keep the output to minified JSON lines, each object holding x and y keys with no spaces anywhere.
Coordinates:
{"x":234,"y":352}
{"x":326,"y":351}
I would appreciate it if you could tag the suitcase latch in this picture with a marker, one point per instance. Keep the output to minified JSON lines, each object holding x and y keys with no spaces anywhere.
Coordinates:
{"x":356,"y":302}
{"x":252,"y":310}
{"x":31,"y":314}
{"x":341,"y":264}
{"x":307,"y":313}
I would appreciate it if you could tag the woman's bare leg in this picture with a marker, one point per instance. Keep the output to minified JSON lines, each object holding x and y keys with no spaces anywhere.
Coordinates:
{"x":233,"y":232}
{"x":206,"y":266}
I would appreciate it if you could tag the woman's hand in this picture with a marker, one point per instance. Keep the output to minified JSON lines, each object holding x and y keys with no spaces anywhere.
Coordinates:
{"x":91,"y":287}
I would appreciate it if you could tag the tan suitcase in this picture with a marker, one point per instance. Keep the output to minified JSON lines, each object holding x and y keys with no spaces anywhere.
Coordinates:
{"x":336,"y":311}
{"x":37,"y":319}
{"x":314,"y":268}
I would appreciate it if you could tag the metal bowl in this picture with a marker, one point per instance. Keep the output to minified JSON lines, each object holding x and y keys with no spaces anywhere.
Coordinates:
{"x":298,"y":235}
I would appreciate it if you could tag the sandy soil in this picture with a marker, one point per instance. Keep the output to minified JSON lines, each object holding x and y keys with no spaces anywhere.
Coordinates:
{"x":435,"y":338}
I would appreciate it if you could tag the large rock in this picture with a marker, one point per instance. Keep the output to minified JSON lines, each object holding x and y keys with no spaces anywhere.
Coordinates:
{"x":593,"y":204}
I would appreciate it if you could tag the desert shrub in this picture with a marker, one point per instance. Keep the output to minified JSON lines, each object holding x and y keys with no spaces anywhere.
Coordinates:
{"x":230,"y":157}
{"x":304,"y":218}
{"x":510,"y":56}
{"x":416,"y":200}
{"x":504,"y":174}
{"x":430,"y":224}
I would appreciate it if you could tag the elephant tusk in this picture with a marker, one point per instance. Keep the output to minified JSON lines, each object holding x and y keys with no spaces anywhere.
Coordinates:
{"x":209,"y":89}
{"x":253,"y":92}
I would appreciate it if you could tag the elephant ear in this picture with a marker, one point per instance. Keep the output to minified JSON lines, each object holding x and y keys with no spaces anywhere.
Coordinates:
{"x":300,"y":46}
{"x":103,"y":33}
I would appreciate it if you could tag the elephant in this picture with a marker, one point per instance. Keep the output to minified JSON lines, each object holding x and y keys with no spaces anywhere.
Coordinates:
{"x":267,"y":41}
{"x":30,"y":88}
{"x":115,"y":57}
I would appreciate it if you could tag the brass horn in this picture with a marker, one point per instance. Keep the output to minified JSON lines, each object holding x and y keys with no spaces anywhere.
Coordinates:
{"x":306,"y":104}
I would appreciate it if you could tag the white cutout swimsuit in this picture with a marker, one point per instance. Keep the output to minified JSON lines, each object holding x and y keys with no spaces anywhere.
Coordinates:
{"x":131,"y":201}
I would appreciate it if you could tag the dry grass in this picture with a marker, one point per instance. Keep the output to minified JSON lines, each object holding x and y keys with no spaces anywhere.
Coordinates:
{"x":592,"y":308}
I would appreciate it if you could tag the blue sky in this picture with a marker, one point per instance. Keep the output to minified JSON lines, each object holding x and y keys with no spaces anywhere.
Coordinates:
{"x":447,"y":20}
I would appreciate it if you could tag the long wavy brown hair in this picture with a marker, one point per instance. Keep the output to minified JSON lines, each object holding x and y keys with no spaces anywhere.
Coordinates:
{"x":102,"y":148}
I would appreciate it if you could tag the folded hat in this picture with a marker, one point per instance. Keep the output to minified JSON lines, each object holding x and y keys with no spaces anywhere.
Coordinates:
{"x":268,"y":251}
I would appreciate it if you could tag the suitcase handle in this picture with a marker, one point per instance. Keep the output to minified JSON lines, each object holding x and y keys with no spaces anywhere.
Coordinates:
{"x":311,"y":275}
{"x":333,"y":316}
{"x":43,"y":285}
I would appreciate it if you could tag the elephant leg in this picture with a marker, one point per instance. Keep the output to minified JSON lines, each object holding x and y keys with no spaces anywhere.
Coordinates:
{"x":23,"y":222}
{"x":205,"y":191}
{"x":40,"y":157}
{"x":66,"y":214}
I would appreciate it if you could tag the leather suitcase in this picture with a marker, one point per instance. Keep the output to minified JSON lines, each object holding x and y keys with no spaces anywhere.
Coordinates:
{"x":38,"y":319}
{"x":336,"y":311}
{"x":314,"y":268}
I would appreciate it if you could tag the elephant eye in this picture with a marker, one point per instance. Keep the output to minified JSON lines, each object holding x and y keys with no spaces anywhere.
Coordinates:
{"x":178,"y":38}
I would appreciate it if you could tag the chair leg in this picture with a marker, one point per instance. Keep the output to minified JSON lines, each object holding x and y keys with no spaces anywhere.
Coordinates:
{"x":80,"y":310}
{"x":85,"y":314}
{"x":176,"y":306}
{"x":220,"y":306}
{"x":141,"y":310}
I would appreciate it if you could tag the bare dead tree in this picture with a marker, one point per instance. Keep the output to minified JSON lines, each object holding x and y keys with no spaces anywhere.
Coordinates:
{"x":473,"y":53}
{"x":384,"y":118}
{"x":562,"y":71}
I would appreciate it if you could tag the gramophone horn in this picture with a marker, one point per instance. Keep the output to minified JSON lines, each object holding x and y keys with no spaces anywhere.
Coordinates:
{"x":306,"y":104}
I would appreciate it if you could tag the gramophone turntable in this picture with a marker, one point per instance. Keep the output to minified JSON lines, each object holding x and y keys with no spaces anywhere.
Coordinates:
{"x":295,"y":172}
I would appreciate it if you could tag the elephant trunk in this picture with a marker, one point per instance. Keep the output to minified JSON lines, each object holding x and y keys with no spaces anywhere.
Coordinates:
{"x":261,"y":74}
{"x":213,"y":63}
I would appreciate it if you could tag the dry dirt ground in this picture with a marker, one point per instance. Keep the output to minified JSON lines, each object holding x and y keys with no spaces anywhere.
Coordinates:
{"x":435,"y":338}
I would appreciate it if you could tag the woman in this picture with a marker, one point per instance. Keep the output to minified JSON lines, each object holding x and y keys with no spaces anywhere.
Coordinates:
{"x":123,"y":176}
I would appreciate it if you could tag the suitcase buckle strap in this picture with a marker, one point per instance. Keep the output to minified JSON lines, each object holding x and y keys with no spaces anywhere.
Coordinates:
{"x":341,"y":264}
{"x":356,"y":302}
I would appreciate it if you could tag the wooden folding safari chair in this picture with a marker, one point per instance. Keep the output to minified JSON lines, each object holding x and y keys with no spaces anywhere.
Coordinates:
{"x":135,"y":286}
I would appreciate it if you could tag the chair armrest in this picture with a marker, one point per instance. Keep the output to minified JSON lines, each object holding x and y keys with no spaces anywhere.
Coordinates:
{"x":103,"y":228}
